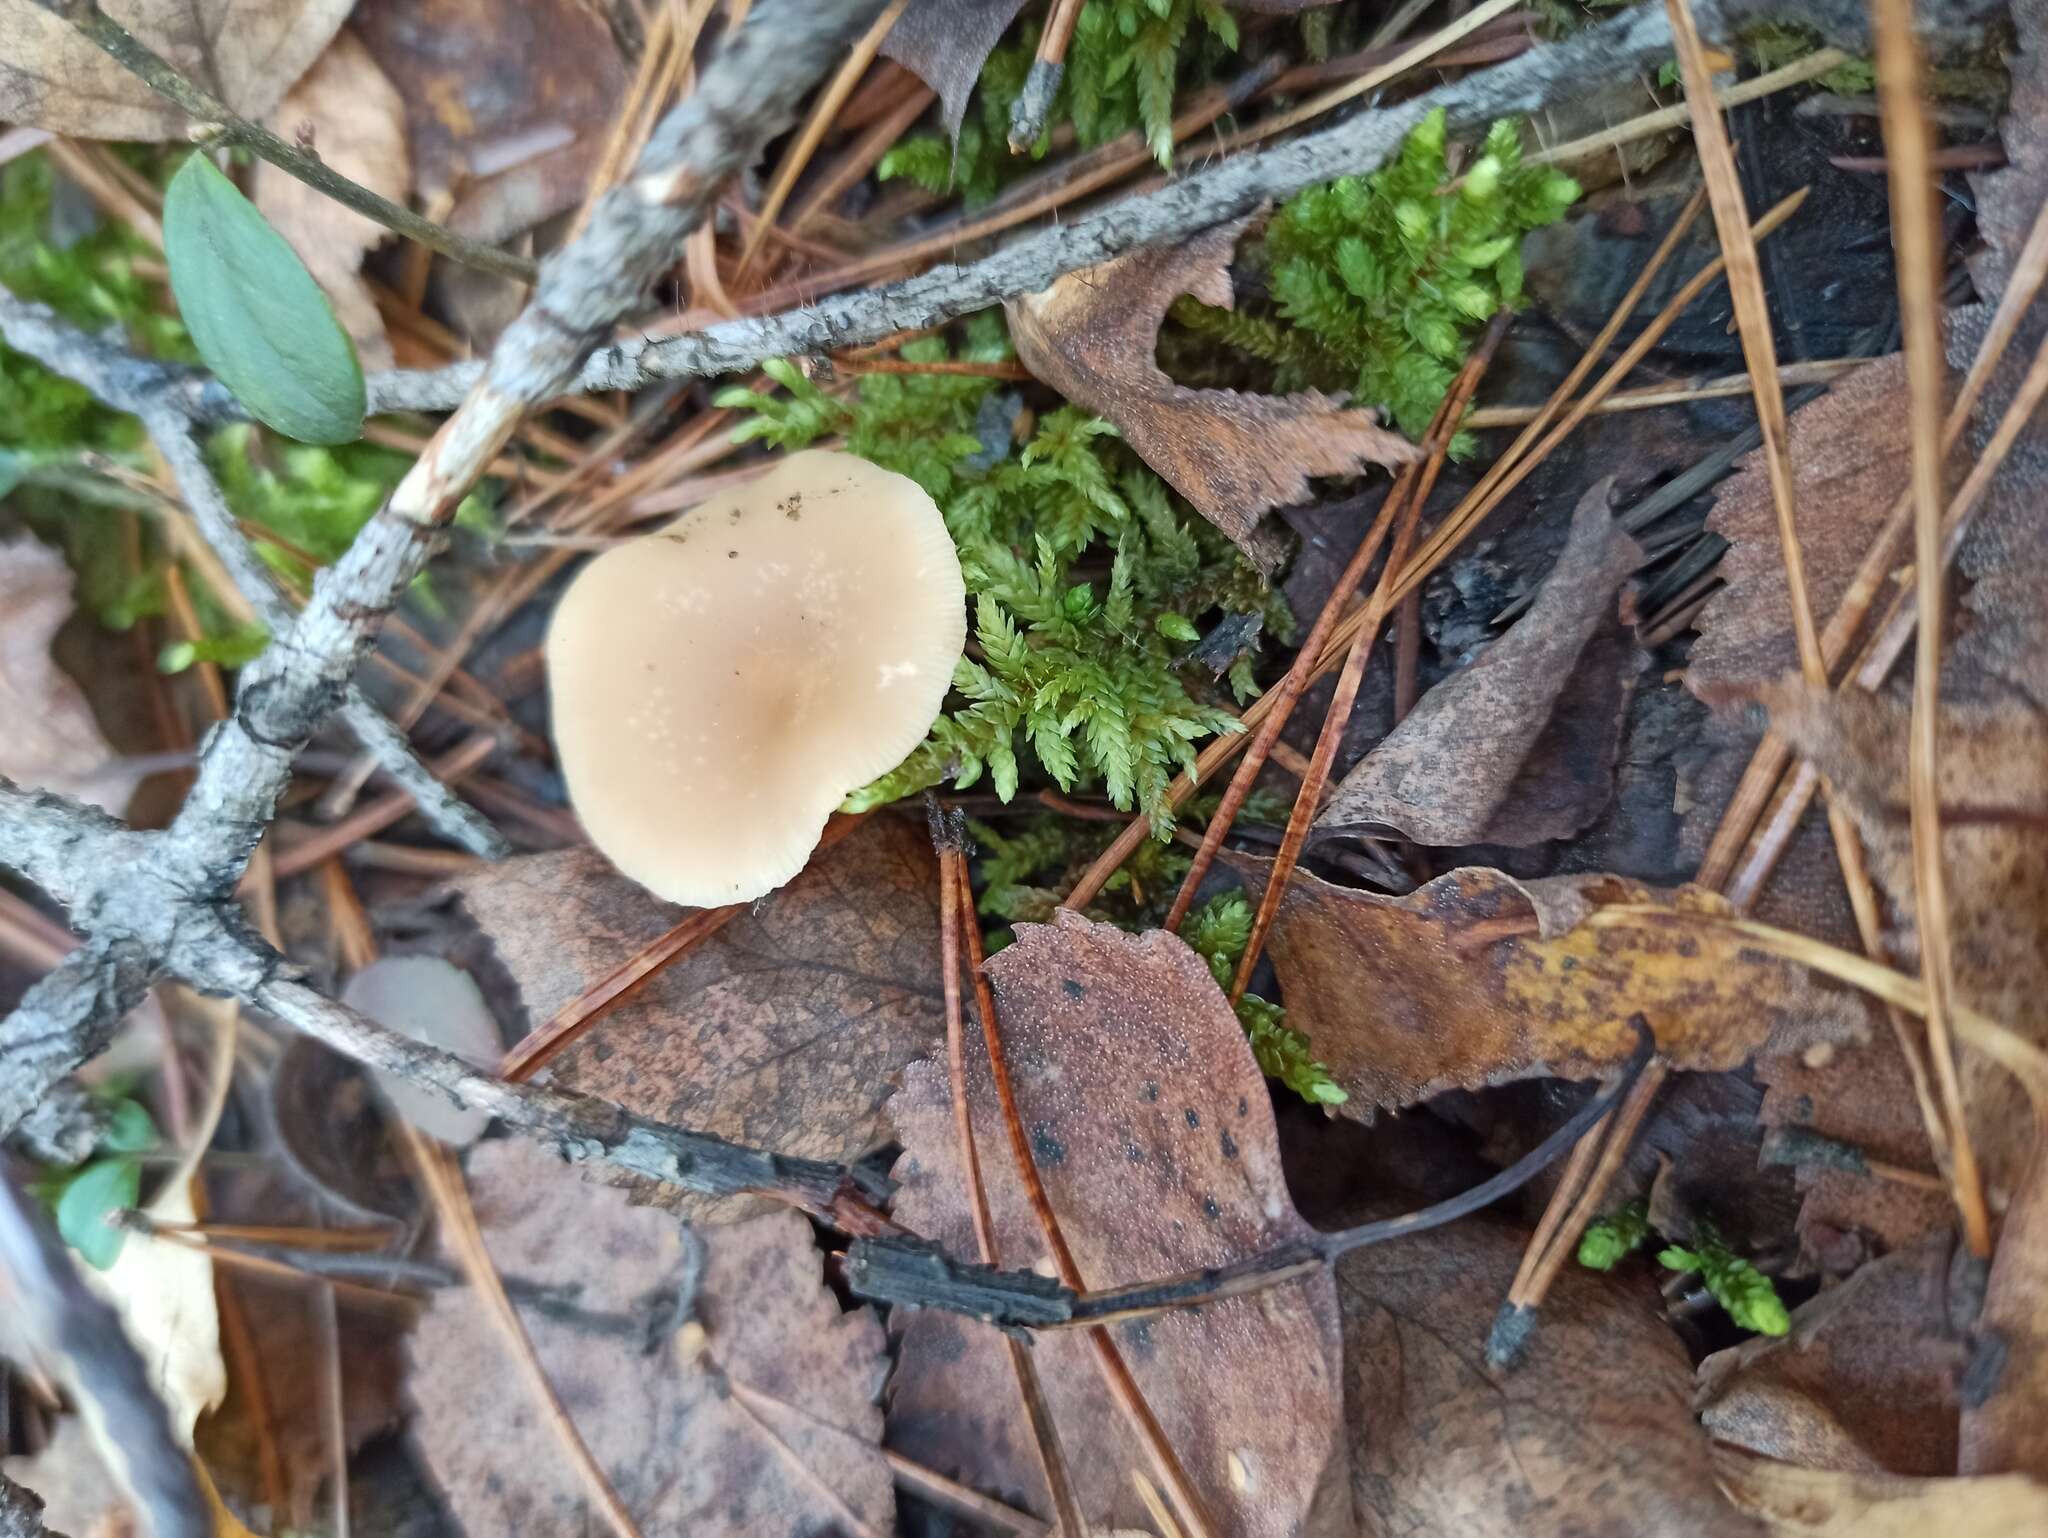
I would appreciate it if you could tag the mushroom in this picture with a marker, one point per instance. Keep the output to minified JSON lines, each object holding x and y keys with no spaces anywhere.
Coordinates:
{"x":720,"y":686}
{"x":433,"y":1001}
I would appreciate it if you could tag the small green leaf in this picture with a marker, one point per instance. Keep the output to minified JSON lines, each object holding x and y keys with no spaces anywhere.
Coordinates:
{"x":103,"y":1187}
{"x":1176,"y":627}
{"x":257,"y":317}
{"x":129,"y":1129}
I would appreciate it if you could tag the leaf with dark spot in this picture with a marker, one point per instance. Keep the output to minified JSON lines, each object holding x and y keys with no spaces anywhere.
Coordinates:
{"x":1246,"y":1390}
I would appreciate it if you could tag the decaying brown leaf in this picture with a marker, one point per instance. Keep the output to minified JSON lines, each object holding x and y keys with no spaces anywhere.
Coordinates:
{"x":1154,"y":1133}
{"x":1592,"y":1437}
{"x":246,"y":52}
{"x":784,"y":1030}
{"x":1446,"y":988}
{"x":946,"y":42}
{"x":508,"y":107}
{"x":351,"y":114}
{"x":1518,"y":748}
{"x":712,"y":1374}
{"x":51,"y":741}
{"x":1848,"y":467}
{"x":1994,"y":793}
{"x":1865,"y":1381}
{"x":1092,"y":337}
{"x":1816,"y":1503}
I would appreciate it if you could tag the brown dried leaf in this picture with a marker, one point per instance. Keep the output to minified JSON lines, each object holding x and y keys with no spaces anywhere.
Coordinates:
{"x":712,"y":1374}
{"x":946,"y":42}
{"x":1994,"y":793}
{"x":1591,"y":1437}
{"x":355,"y":121}
{"x":1092,"y":337}
{"x":1154,"y":1133}
{"x":1407,"y":997}
{"x":1865,"y":1381}
{"x":785,"y":1029}
{"x":246,"y":52}
{"x":1814,"y":1503}
{"x":508,"y":107}
{"x":51,"y":740}
{"x":1848,"y":466}
{"x":1518,"y":748}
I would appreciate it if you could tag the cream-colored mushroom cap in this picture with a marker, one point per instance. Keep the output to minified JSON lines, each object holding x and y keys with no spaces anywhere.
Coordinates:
{"x":719,"y":687}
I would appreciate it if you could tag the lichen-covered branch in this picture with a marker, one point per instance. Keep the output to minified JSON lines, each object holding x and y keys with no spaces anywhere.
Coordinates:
{"x":156,"y":72}
{"x":1193,"y":202}
{"x":165,"y":397}
{"x":164,"y":903}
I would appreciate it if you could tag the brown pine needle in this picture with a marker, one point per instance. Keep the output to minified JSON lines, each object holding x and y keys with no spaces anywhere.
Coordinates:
{"x":2030,"y":270}
{"x":1338,"y":718}
{"x":1917,"y":246}
{"x":1116,"y":1373}
{"x":799,"y":154}
{"x":956,"y":912}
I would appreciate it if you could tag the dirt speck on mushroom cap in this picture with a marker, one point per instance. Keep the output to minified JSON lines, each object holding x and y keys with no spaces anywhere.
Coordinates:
{"x":713,"y":702}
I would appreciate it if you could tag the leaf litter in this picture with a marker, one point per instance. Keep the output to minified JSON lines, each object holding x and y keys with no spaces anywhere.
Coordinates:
{"x":1455,"y":980}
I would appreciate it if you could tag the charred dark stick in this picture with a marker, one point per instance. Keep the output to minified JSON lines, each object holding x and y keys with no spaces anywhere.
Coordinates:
{"x":912,"y":1274}
{"x":1034,"y":103}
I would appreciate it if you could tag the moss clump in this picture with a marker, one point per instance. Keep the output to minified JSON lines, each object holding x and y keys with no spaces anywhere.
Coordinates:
{"x":1377,"y":284}
{"x":1124,"y":63}
{"x":1087,"y":582}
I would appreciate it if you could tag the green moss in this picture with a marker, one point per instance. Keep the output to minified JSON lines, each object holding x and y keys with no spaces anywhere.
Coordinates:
{"x":1085,"y":576}
{"x":1611,"y":1240}
{"x":1378,"y":284}
{"x":1218,"y":932}
{"x":1124,"y":64}
{"x":1746,"y":1294}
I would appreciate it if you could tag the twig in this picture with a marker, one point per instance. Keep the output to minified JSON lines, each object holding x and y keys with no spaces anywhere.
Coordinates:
{"x":1813,"y":371}
{"x":911,"y":1274}
{"x":1227,"y":190}
{"x":161,"y":395}
{"x":157,"y":73}
{"x":78,"y":1337}
{"x":1912,"y":181}
{"x":1338,"y":717}
{"x":1042,"y":82}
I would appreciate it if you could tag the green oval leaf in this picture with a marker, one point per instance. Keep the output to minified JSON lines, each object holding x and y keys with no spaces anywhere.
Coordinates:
{"x":103,"y":1187}
{"x":129,"y":1129}
{"x":255,"y":314}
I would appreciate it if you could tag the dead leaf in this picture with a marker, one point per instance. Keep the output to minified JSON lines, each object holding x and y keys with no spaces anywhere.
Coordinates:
{"x":51,"y":741}
{"x":246,"y":52}
{"x":1848,"y":466}
{"x":1407,"y":997}
{"x":1591,"y":1437}
{"x":164,"y":1295}
{"x":783,"y":1030}
{"x":1994,"y":791}
{"x":946,"y":42}
{"x":1154,"y":1134}
{"x":1518,"y":748}
{"x":712,"y":1374}
{"x":508,"y":107}
{"x":1865,"y":1381}
{"x":1815,"y":1503}
{"x":1092,"y":337}
{"x":355,"y":121}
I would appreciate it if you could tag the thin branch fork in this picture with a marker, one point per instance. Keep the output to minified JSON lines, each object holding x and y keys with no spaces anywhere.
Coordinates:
{"x":156,"y":72}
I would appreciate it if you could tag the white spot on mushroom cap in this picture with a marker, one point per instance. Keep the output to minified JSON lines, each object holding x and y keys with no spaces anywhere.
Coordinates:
{"x":426,"y":999}
{"x":714,"y":698}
